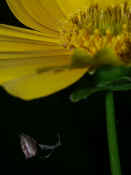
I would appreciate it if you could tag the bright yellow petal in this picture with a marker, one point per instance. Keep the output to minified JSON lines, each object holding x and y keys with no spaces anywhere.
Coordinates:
{"x":25,"y":51}
{"x":15,"y":40}
{"x":70,"y":6}
{"x":46,"y":15}
{"x":23,"y":33}
{"x":14,"y":68}
{"x":38,"y":14}
{"x":42,"y":84}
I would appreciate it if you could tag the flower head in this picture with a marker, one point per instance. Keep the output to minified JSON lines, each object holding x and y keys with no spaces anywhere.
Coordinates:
{"x":39,"y":62}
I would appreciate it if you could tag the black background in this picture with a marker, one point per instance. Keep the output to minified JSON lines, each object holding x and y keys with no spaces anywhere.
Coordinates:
{"x":82,"y":127}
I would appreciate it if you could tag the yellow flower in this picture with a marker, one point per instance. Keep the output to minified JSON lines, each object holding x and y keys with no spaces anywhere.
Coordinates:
{"x":38,"y":62}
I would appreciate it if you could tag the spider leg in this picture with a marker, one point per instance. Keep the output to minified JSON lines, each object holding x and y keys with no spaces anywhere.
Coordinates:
{"x":50,"y":148}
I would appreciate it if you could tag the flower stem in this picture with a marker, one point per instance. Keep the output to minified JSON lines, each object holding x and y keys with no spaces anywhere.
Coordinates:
{"x":112,"y":136}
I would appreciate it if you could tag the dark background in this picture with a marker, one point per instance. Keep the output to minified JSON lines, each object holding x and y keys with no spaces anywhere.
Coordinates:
{"x":82,"y":127}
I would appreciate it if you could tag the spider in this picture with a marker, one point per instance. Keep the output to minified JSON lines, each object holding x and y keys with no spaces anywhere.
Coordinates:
{"x":31,"y":148}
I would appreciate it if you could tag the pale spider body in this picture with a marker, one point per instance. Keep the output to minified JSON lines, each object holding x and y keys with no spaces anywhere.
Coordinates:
{"x":30,"y":147}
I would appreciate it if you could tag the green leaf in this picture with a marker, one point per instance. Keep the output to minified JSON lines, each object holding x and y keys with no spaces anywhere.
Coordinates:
{"x":106,"y":78}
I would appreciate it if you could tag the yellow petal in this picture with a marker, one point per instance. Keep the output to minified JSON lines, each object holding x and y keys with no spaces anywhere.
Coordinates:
{"x":42,"y":84}
{"x":23,"y":32}
{"x":38,"y":14}
{"x":7,"y":30}
{"x":15,"y":39}
{"x":46,"y":15}
{"x":24,"y":51}
{"x":70,"y":6}
{"x":14,"y":68}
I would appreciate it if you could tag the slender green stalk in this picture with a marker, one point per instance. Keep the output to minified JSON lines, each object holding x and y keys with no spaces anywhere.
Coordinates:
{"x":112,"y":136}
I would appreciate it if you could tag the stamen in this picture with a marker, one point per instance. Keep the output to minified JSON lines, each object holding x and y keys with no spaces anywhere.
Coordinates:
{"x":94,"y":28}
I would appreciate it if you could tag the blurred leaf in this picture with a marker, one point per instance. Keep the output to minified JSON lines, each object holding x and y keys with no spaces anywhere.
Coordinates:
{"x":106,"y":78}
{"x":105,"y":56}
{"x":81,"y":59}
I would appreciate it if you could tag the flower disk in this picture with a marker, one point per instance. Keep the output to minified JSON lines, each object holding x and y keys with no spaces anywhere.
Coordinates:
{"x":94,"y":28}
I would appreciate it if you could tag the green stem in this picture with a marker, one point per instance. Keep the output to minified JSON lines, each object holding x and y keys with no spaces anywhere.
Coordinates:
{"x":112,"y":136}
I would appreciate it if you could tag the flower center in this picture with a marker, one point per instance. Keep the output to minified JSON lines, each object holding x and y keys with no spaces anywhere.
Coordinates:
{"x":95,"y":28}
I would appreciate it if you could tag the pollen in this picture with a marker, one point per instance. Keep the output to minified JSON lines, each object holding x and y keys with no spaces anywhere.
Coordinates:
{"x":94,"y":28}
